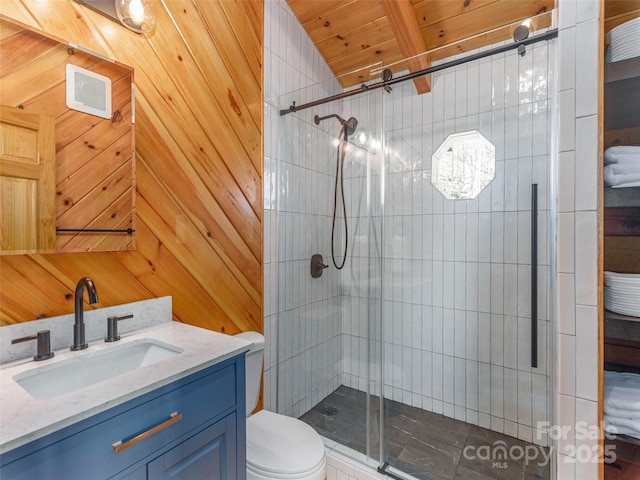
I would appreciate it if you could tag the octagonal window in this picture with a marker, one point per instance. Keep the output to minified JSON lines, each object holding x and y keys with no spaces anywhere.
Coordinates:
{"x":463,"y":165}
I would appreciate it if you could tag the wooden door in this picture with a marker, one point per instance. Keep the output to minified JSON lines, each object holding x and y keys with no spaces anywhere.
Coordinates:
{"x":27,"y":182}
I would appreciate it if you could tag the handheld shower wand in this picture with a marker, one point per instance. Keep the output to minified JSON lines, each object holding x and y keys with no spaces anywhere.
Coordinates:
{"x":348,"y":125}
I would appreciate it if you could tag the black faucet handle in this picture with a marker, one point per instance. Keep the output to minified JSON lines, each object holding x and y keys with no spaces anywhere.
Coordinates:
{"x":112,"y":327}
{"x":44,"y":344}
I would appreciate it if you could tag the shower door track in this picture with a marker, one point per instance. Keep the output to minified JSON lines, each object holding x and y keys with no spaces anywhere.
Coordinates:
{"x":548,"y":35}
{"x":384,"y":469}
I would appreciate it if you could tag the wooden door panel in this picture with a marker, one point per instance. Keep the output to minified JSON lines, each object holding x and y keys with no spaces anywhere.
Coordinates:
{"x":27,"y":181}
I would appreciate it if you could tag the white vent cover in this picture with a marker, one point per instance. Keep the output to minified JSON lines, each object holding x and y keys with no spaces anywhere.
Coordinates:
{"x":88,"y":92}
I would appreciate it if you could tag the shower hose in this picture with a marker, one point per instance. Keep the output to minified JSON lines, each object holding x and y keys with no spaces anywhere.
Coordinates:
{"x":341,"y":151}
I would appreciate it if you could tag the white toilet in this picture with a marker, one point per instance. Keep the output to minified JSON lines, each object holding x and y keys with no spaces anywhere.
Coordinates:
{"x":277,"y":446}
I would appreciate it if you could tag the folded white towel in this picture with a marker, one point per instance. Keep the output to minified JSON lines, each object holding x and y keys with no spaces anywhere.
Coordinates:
{"x":624,"y":149}
{"x":621,"y":154}
{"x":621,"y":173}
{"x":623,"y":168}
{"x":622,"y":394}
{"x":622,"y":413}
{"x":620,"y":430}
{"x":631,"y":423}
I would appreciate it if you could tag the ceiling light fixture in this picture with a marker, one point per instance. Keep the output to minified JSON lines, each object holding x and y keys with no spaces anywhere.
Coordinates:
{"x":137,"y":15}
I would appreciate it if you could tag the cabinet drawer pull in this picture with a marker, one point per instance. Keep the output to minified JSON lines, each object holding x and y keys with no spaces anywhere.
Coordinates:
{"x":121,"y":445}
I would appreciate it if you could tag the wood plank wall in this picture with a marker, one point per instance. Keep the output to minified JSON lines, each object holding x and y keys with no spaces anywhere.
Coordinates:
{"x":199,"y":123}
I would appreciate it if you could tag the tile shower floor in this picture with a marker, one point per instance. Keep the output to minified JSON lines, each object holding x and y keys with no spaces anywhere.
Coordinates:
{"x":423,"y":444}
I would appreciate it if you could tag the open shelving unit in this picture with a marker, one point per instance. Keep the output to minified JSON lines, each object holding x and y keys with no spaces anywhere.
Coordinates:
{"x":622,"y":127}
{"x":621,"y":249}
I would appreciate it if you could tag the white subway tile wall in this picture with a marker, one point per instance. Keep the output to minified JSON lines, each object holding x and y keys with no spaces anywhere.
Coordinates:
{"x":577,"y":305}
{"x":302,"y":317}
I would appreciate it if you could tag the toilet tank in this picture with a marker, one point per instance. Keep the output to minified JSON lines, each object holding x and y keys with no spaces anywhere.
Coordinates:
{"x":253,"y":367}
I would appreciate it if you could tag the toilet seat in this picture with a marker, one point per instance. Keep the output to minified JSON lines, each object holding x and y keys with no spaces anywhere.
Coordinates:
{"x":283,"y":447}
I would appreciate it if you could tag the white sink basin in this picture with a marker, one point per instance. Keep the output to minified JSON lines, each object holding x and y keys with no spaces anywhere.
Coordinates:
{"x":92,"y":367}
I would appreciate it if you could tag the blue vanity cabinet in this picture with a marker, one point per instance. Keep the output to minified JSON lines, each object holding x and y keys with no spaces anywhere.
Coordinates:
{"x":193,"y":428}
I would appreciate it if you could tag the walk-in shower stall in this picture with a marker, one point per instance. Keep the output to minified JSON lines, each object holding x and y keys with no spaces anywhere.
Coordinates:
{"x":434,"y":338}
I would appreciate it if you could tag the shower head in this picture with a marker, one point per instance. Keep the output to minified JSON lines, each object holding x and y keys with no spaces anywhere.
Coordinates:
{"x":348,"y":125}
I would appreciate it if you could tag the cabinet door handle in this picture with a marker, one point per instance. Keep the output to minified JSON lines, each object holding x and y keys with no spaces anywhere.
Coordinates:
{"x":122,"y":445}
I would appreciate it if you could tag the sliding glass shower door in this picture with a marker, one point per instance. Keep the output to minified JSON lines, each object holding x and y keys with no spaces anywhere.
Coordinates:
{"x":329,"y":212}
{"x":415,"y":344}
{"x":464,"y":356}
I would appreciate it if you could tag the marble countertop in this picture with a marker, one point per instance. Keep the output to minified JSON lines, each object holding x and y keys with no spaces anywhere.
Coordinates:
{"x":24,"y":418}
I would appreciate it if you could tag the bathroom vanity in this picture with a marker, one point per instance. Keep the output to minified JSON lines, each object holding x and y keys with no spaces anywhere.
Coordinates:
{"x":181,"y":415}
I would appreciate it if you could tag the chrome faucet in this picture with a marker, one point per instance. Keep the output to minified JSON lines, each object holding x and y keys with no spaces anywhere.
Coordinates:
{"x":78,"y":327}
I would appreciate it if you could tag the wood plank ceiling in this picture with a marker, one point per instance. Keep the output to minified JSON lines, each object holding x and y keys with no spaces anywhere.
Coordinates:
{"x":198,"y":145}
{"x":352,"y":35}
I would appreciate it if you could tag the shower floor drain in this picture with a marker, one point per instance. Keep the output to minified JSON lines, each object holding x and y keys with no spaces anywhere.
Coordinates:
{"x":330,"y":411}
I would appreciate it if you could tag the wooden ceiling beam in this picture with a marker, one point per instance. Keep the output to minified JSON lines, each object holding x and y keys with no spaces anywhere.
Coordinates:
{"x":404,"y":25}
